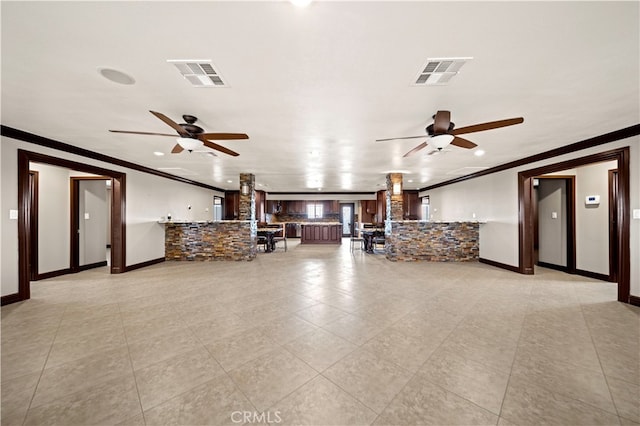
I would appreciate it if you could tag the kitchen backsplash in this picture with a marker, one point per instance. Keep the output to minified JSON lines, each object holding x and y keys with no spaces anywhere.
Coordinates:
{"x":303,"y":218}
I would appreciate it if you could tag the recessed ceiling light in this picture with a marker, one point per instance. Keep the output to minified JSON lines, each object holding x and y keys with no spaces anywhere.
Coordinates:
{"x":116,"y":76}
{"x":158,"y":153}
{"x":300,"y":3}
{"x":478,"y":153}
{"x":229,"y":181}
{"x":410,"y":181}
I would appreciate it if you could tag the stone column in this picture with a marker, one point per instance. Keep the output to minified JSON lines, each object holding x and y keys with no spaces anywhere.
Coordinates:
{"x":394,"y":200}
{"x":247,"y":204}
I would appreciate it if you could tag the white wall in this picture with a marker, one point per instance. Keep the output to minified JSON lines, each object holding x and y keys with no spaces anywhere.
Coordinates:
{"x":92,"y":242}
{"x":53,"y":217}
{"x":494,"y":198}
{"x":552,"y":229}
{"x":148,"y":198}
{"x":592,"y":222}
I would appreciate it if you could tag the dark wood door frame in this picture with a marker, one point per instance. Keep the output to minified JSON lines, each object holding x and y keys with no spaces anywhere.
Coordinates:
{"x":622,"y":228}
{"x":34,"y":177}
{"x":118,"y":225}
{"x":570,"y":199}
{"x":613,"y":223}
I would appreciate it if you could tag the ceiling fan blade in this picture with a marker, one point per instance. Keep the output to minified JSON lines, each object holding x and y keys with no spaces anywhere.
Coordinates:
{"x":219,"y":148}
{"x":406,"y":137}
{"x":222,"y":136}
{"x":177,"y":149}
{"x":441,"y":122}
{"x":171,"y":123}
{"x":142,"y":133}
{"x":487,"y":126}
{"x":463,"y":143}
{"x":416,"y":149}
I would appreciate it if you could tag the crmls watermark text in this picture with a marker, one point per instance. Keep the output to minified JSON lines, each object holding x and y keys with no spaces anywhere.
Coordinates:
{"x":255,"y":417}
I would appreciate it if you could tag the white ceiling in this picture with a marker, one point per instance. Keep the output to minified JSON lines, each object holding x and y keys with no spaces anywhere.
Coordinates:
{"x":314,"y":87}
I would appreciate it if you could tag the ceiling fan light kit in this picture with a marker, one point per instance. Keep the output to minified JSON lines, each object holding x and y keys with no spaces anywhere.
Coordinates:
{"x":440,"y":141}
{"x":191,"y":136}
{"x":189,"y":144}
{"x":443,"y":132}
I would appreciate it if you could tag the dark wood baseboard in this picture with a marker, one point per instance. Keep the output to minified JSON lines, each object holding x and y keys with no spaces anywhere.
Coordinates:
{"x":92,"y":266}
{"x":595,"y":275}
{"x":52,"y":274}
{"x":10,"y":298}
{"x":144,"y":264}
{"x":634,"y":300}
{"x":499,"y":265}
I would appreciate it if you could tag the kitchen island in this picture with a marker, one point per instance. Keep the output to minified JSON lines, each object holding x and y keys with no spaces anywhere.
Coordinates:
{"x":321,"y":233}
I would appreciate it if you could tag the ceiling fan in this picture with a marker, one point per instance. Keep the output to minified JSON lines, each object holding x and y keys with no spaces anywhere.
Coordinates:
{"x":442,"y":132}
{"x":191,"y":136}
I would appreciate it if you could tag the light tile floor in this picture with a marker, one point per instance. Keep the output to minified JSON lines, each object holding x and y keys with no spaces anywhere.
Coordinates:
{"x":319,"y":335}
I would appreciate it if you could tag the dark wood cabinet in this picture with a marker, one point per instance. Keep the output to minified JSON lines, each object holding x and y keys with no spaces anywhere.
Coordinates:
{"x":261,"y":206}
{"x":321,"y":234}
{"x":411,"y":205}
{"x":231,"y":205}
{"x":296,"y":207}
{"x":273,"y":207}
{"x":369,"y":209}
{"x":332,"y":207}
{"x":290,"y":230}
{"x":381,"y":211}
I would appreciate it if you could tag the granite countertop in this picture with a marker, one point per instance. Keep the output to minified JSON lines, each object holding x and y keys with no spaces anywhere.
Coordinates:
{"x":181,"y":221}
{"x":438,"y":221}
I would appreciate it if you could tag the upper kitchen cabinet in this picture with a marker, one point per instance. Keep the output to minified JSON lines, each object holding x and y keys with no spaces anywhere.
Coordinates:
{"x":381,"y":212}
{"x":231,"y":205}
{"x":368,"y":208}
{"x":273,"y":207}
{"x":261,"y":206}
{"x":332,"y":207}
{"x":296,"y":207}
{"x":411,"y":205}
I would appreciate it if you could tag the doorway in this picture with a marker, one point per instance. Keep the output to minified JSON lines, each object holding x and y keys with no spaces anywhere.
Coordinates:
{"x":346,"y":217}
{"x":526,"y":220}
{"x":90,"y":216}
{"x":26,"y":207}
{"x":554,"y":211}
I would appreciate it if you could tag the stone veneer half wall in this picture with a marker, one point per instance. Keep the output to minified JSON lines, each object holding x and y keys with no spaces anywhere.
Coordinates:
{"x":224,"y":240}
{"x":433,"y":241}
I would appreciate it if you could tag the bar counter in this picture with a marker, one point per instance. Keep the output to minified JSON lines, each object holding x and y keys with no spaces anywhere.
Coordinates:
{"x":436,"y":241}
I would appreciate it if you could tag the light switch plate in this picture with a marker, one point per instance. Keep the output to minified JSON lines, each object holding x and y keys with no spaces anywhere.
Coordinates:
{"x":13,"y":214}
{"x":86,"y":216}
{"x":636,"y":213}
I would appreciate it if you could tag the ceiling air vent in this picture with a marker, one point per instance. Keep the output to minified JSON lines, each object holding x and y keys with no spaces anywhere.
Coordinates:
{"x":199,"y":72}
{"x":438,"y":71}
